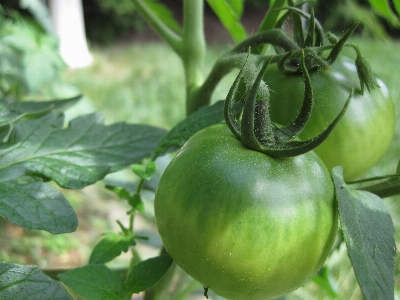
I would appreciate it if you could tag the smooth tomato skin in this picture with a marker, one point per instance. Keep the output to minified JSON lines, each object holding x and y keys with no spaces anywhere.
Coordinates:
{"x":364,"y":133}
{"x":243,"y":224}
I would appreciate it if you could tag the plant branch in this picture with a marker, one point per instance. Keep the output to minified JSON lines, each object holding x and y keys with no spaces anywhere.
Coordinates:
{"x":172,"y":38}
{"x":388,"y":188}
{"x":194,"y":49}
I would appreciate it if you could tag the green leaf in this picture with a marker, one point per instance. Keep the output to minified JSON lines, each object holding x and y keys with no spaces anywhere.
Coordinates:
{"x":269,"y":22}
{"x":134,"y":200}
{"x":396,"y":4}
{"x":146,"y":273}
{"x":32,"y":108}
{"x":110,"y":247}
{"x":39,"y":10}
{"x":182,"y":131}
{"x":229,"y":13}
{"x":368,"y":232}
{"x":78,"y":155}
{"x":27,"y":282}
{"x":145,"y":171}
{"x":11,"y":112}
{"x":272,"y":16}
{"x":164,"y":15}
{"x":4,"y":132}
{"x":8,"y":116}
{"x":383,"y":8}
{"x":325,"y":281}
{"x":35,"y":205}
{"x":95,"y":282}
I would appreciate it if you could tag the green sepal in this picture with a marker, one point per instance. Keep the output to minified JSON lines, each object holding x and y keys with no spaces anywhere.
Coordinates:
{"x":367,"y":78}
{"x":333,"y":55}
{"x":310,"y":38}
{"x":264,"y":135}
{"x":297,"y":27}
{"x":319,"y":31}
{"x":256,"y":130}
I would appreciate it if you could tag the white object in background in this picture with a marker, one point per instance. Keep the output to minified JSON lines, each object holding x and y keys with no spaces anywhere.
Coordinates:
{"x":69,"y":25}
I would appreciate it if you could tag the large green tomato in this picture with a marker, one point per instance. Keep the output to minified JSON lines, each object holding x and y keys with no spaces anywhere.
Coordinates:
{"x":243,"y":224}
{"x":364,"y":133}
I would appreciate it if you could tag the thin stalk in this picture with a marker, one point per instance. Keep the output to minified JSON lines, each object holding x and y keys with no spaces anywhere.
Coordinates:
{"x":193,"y":50}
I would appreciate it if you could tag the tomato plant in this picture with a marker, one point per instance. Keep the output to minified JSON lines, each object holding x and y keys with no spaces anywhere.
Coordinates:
{"x":234,"y":219}
{"x":364,"y":133}
{"x":245,"y":207}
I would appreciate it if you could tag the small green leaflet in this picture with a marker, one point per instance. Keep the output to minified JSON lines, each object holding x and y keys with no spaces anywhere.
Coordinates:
{"x":134,"y":200}
{"x":229,"y":13}
{"x":145,"y":171}
{"x":27,"y":282}
{"x":111,"y":246}
{"x":146,"y":273}
{"x":95,"y":282}
{"x":182,"y":131}
{"x":369,"y":235}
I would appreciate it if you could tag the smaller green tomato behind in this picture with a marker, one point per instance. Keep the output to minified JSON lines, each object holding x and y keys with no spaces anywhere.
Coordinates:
{"x":364,"y":133}
{"x":243,"y":224}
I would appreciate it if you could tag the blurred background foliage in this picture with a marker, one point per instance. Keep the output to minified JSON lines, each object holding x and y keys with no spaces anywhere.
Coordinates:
{"x":111,"y":20}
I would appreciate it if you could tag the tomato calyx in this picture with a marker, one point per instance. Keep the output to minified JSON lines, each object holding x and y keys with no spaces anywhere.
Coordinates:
{"x":311,"y":42}
{"x":256,"y":130}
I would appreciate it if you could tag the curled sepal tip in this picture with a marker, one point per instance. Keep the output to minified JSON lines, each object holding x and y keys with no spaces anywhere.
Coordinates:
{"x":256,"y":130}
{"x":367,"y":78}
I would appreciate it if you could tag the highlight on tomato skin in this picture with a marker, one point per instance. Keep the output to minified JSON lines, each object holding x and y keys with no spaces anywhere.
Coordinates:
{"x":243,"y":224}
{"x":364,"y":133}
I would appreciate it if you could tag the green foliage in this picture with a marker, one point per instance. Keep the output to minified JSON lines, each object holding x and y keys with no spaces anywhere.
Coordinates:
{"x":340,"y":14}
{"x":29,"y":59}
{"x":26,"y":282}
{"x":110,"y":247}
{"x":97,"y":281}
{"x":230,"y":13}
{"x":182,"y":131}
{"x":368,"y":231}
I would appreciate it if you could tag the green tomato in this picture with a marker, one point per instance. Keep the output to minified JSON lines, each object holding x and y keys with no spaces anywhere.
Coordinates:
{"x":364,"y":133}
{"x":243,"y":224}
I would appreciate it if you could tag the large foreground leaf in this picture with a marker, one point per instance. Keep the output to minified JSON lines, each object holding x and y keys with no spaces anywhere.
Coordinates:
{"x":28,"y":282}
{"x":76,"y":156}
{"x":35,"y":205}
{"x":11,"y":112}
{"x":369,"y":235}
